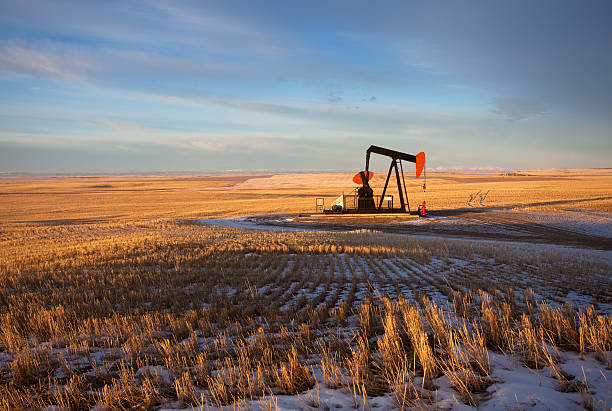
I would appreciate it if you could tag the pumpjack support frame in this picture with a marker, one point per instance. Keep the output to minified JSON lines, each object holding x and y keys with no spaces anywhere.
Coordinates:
{"x":396,"y":156}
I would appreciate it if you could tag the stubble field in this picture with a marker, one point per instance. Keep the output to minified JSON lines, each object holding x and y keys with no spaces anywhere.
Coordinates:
{"x":115,"y":295}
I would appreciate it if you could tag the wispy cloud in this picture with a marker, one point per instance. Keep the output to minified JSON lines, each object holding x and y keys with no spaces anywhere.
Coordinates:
{"x":77,"y":64}
{"x":219,"y":29}
{"x":50,"y":60}
{"x":152,"y":23}
{"x":518,"y":109}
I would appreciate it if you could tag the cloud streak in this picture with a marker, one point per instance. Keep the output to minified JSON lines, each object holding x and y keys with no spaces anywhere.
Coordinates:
{"x":518,"y":109}
{"x":75,"y":64}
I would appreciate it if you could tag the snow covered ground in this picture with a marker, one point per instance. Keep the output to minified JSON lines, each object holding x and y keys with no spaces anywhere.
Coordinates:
{"x":243,"y":222}
{"x":590,"y":223}
{"x":517,"y":388}
{"x":516,"y":223}
{"x":286,"y":223}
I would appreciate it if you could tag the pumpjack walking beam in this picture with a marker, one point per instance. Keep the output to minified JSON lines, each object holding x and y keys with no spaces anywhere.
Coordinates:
{"x":396,"y":155}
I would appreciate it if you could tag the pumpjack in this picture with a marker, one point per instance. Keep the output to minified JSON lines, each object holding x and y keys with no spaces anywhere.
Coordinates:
{"x":364,"y":201}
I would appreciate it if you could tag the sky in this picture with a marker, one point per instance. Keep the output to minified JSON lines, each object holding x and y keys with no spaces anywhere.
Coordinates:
{"x":258,"y":86}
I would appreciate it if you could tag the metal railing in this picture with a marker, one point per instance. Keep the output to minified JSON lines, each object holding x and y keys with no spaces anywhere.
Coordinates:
{"x":351,"y":202}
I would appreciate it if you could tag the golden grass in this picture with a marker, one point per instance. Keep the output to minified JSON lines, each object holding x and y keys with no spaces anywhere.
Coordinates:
{"x":27,"y":201}
{"x":59,"y":299}
{"x":108,"y":297}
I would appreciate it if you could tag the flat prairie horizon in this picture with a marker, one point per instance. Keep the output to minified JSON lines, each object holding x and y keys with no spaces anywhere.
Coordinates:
{"x":104,"y":198}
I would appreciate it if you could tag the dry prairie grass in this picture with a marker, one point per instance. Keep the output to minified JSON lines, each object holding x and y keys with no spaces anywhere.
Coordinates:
{"x":144,"y":314}
{"x":27,"y":201}
{"x":108,"y":297}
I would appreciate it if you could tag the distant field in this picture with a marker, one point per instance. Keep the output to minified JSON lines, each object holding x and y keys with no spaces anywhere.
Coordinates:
{"x":65,"y":200}
{"x":113,"y":294}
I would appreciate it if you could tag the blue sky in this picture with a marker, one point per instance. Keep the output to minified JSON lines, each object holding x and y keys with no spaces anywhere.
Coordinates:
{"x":144,"y":86}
